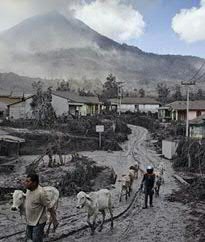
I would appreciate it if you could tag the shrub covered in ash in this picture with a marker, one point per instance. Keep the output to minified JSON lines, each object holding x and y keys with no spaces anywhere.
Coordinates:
{"x":121,"y":127}
{"x":190,"y":153}
{"x":192,"y":193}
{"x":147,"y":121}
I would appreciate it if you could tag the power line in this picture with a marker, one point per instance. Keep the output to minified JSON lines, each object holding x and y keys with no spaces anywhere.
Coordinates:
{"x":198,"y":79}
{"x":197,"y":72}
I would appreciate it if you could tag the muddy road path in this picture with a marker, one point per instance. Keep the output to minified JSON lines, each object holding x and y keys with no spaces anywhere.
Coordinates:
{"x":164,"y":222}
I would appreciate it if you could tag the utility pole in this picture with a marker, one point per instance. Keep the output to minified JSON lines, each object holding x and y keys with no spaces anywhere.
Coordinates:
{"x":119,"y":94}
{"x":187,"y":84}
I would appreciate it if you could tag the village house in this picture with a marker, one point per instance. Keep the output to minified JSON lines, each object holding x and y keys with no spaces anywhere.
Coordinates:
{"x":135,"y":104}
{"x":9,"y":97}
{"x":177,"y":110}
{"x":63,"y":102}
{"x":10,"y":145}
{"x":75,"y":104}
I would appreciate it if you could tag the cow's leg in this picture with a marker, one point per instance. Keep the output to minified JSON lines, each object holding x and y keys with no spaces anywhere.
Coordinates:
{"x":129,"y":190}
{"x":103,"y":220}
{"x":136,"y":177}
{"x":49,"y":225}
{"x":121,"y":195}
{"x":155,"y":191}
{"x":90,"y":225}
{"x":94,"y":221}
{"x":48,"y":229}
{"x":111,"y":217}
{"x":55,"y":225}
{"x":158,"y":189}
{"x":126,"y":192}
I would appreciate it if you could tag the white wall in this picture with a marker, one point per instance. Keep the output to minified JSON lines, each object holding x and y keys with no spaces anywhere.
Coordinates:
{"x":127,"y":107}
{"x":60,"y":105}
{"x":149,"y":107}
{"x":169,"y":148}
{"x":21,"y":110}
{"x":140,"y":107}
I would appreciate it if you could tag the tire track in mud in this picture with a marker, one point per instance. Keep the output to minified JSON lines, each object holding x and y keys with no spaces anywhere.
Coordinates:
{"x":137,"y":154}
{"x":133,"y":208}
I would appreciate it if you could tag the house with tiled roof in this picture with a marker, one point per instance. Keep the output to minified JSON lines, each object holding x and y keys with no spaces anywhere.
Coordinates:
{"x":63,"y":102}
{"x":135,"y":104}
{"x":177,"y":110}
{"x":76,"y":104}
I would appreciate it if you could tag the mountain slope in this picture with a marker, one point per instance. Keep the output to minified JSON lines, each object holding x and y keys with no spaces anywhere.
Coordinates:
{"x":53,"y":46}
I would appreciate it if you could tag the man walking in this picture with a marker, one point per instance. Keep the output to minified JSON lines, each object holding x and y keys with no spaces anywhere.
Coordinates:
{"x":148,"y":183}
{"x":36,"y":204}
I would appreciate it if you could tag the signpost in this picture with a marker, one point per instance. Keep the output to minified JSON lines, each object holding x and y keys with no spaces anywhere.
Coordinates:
{"x":100,"y":129}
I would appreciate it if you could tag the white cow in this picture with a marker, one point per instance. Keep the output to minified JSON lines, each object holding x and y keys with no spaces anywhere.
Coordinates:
{"x":19,"y":202}
{"x":96,"y":202}
{"x":126,"y":184}
{"x":161,"y":170}
{"x":158,"y":183}
{"x":134,"y":169}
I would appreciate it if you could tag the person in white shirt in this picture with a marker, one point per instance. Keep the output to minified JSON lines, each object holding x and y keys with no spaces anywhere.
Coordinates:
{"x":36,"y":206}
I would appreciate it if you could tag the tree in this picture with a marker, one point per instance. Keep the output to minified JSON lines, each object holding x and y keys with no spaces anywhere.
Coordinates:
{"x":110,"y":87}
{"x":41,"y":105}
{"x":163,"y":93}
{"x":63,"y":86}
{"x":177,"y":95}
{"x":200,"y":94}
{"x":83,"y":92}
{"x":141,"y":92}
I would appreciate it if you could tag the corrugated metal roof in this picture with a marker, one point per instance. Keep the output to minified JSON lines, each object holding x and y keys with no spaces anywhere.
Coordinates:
{"x":12,"y":139}
{"x":193,"y":105}
{"x":74,"y":97}
{"x":26,"y":97}
{"x":135,"y":100}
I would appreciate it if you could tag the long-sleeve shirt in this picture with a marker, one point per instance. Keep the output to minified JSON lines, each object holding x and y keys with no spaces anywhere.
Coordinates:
{"x":35,"y":205}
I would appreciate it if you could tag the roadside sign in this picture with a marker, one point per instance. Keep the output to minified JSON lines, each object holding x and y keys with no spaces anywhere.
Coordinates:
{"x":99,"y":128}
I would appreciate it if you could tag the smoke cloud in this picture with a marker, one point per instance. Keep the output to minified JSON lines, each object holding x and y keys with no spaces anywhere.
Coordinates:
{"x":111,"y":18}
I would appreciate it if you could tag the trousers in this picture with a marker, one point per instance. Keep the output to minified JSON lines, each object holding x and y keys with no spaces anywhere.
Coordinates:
{"x":35,"y":233}
{"x":148,"y":194}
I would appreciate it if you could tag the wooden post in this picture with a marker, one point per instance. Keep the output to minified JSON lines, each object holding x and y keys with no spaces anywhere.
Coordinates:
{"x":100,"y":140}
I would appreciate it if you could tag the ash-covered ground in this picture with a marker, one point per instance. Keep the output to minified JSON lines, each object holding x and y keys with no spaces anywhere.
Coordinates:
{"x":167,"y":221}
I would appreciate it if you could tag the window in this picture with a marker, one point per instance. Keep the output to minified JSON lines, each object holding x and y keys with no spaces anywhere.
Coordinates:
{"x":198,"y":113}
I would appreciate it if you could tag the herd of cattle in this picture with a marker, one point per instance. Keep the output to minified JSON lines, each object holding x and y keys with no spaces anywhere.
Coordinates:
{"x":94,"y":202}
